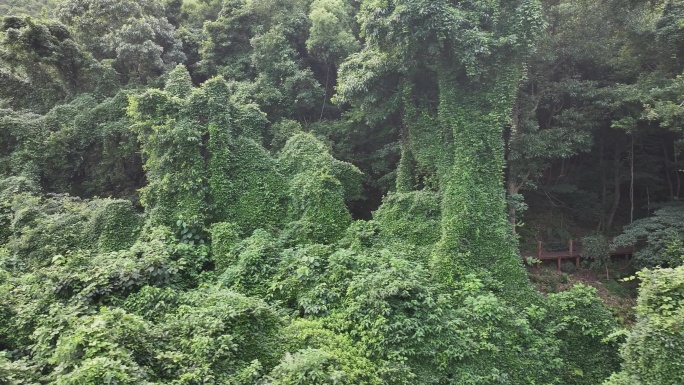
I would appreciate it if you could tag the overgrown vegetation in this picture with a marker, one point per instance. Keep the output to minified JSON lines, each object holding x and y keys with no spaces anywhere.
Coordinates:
{"x":333,"y":191}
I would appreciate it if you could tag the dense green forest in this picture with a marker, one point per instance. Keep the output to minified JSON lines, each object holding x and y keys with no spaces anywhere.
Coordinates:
{"x":291,"y":192}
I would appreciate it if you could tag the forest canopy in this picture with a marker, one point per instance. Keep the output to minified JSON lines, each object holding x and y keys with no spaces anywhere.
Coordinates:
{"x":338,"y":191}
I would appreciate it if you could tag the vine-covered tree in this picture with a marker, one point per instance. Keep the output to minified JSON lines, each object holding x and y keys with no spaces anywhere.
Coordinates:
{"x":473,"y":53}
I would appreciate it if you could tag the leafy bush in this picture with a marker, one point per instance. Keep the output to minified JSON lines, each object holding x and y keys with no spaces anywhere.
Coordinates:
{"x":300,"y":281}
{"x":45,"y":227}
{"x":616,"y":288}
{"x":584,"y":327}
{"x":216,"y":334}
{"x":254,"y":262}
{"x":224,"y":235}
{"x":108,"y":346}
{"x":322,"y":355}
{"x":652,"y":345}
{"x":568,"y":267}
{"x":655,"y":237}
{"x":256,"y":194}
{"x":596,"y":249}
{"x":411,"y":217}
{"x":391,"y":307}
{"x":16,"y":372}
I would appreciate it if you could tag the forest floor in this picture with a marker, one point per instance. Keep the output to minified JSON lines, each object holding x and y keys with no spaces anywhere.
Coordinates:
{"x":619,"y":296}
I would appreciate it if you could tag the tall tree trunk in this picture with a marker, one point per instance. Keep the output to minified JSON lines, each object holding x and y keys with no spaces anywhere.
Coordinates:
{"x":604,"y":186}
{"x":325,"y":95}
{"x":666,"y":163}
{"x":677,"y":171}
{"x":616,"y":188}
{"x":631,"y":181}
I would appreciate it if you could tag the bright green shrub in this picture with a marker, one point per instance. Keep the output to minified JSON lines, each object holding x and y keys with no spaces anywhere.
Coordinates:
{"x":27,"y":303}
{"x":91,"y":277}
{"x":224,"y":235}
{"x":656,"y":341}
{"x":86,"y":278}
{"x":303,"y":152}
{"x":255,"y":260}
{"x":424,"y":336}
{"x":114,"y":225}
{"x":152,"y":302}
{"x":216,"y":335}
{"x":9,"y":187}
{"x":344,"y":361}
{"x":495,"y":342}
{"x":388,"y":306}
{"x":17,"y":372}
{"x":43,"y":227}
{"x":178,"y":82}
{"x":110,"y":346}
{"x":308,"y":366}
{"x":209,"y":335}
{"x":317,"y":208}
{"x":621,"y":378}
{"x":314,"y":366}
{"x":118,"y":370}
{"x":299,"y":280}
{"x":410,"y":216}
{"x":255,"y":195}
{"x":584,"y":326}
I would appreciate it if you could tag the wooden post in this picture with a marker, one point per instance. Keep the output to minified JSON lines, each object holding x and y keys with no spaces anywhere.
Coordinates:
{"x":577,"y":257}
{"x":539,"y":249}
{"x":558,"y":262}
{"x":539,"y":252}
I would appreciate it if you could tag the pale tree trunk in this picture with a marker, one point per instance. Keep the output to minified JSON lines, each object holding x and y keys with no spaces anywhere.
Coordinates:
{"x":631,"y":182}
{"x":616,"y":188}
{"x":666,"y":162}
{"x":604,"y":186}
{"x":677,"y":171}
